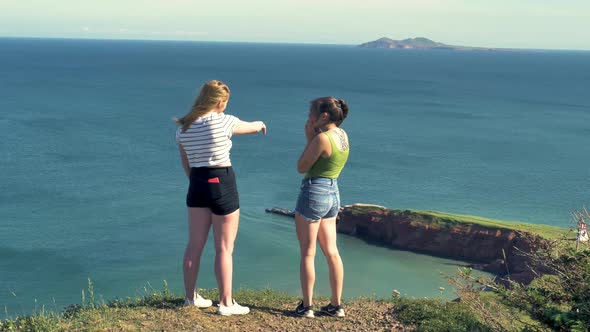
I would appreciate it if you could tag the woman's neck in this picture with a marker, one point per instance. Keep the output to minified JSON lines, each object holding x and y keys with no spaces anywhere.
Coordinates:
{"x":329,"y":126}
{"x":213,"y":111}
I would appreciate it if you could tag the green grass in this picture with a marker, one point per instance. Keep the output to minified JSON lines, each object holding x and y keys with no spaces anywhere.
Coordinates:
{"x":271,"y":310}
{"x":490,"y":302}
{"x":448,"y":220}
{"x":435,"y":315}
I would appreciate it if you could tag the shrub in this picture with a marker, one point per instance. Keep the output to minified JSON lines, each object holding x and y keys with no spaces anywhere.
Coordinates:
{"x":435,"y":315}
{"x":558,"y":300}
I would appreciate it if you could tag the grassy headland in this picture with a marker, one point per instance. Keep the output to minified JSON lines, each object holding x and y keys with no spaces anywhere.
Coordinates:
{"x":446,"y":220}
{"x":270,"y":311}
{"x":273,"y":310}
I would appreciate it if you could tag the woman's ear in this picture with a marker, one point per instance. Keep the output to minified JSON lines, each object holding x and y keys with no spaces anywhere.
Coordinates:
{"x":220,"y":106}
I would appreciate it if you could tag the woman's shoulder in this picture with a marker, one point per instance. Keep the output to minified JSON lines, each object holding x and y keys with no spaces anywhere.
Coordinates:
{"x":228,"y":120}
{"x":220,"y":117}
{"x":323,"y":139}
{"x":340,"y":138}
{"x":224,"y":115}
{"x":338,"y":133}
{"x":343,"y":133}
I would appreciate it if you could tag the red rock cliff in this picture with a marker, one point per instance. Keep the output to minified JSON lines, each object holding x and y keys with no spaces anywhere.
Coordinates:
{"x":424,"y":233}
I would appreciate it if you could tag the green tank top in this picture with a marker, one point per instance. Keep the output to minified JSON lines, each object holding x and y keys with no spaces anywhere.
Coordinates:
{"x":329,"y":167}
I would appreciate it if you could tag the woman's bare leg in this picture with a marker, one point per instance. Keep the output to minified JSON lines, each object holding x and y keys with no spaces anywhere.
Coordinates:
{"x":307,"y":233}
{"x":199,"y":222}
{"x":327,"y":238}
{"x":225,"y":230}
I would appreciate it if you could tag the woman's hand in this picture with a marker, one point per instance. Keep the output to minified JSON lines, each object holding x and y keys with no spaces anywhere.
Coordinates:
{"x":262,"y":127}
{"x":310,"y":131}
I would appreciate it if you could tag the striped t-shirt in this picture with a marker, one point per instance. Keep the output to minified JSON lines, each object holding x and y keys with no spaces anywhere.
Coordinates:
{"x":208,"y":140}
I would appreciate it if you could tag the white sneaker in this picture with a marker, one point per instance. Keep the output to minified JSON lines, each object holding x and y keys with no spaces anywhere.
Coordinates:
{"x":198,"y":302}
{"x":234,"y":309}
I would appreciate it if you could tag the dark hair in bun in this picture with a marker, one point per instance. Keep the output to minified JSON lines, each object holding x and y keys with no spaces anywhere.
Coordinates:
{"x":336,"y":108}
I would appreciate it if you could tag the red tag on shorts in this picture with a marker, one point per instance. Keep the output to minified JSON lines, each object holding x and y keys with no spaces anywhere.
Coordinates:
{"x":213,"y":180}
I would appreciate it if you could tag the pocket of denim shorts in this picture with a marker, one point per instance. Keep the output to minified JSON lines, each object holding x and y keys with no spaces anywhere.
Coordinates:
{"x":319,"y":200}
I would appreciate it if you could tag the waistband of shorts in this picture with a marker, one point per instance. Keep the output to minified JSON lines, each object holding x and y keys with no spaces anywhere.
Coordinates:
{"x":325,"y":181}
{"x":212,"y":170}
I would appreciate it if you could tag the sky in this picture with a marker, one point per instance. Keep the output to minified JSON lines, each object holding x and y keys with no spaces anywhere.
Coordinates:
{"x":541,"y":24}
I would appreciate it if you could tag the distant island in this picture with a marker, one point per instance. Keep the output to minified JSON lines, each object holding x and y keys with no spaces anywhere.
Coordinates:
{"x":418,"y":43}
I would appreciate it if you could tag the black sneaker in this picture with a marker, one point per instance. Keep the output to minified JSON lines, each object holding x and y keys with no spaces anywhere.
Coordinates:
{"x":302,"y":311}
{"x":334,"y":311}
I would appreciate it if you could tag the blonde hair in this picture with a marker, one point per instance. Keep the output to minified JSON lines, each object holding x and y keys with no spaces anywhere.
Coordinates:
{"x":211,"y":94}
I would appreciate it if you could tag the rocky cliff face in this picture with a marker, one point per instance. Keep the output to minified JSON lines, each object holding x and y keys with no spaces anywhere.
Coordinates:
{"x":490,"y":249}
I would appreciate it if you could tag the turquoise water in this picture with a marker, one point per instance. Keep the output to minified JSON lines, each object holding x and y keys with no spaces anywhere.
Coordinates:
{"x":91,"y":185}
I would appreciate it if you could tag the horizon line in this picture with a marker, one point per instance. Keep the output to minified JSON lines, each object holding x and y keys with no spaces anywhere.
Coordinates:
{"x":276,"y":42}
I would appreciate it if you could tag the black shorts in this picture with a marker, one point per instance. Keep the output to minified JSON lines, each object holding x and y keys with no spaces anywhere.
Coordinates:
{"x":213,"y":188}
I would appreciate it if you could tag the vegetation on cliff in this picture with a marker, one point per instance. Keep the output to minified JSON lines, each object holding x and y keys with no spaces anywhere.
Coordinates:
{"x":271,"y":311}
{"x":556,"y":300}
{"x":551,"y":303}
{"x":448,"y":220}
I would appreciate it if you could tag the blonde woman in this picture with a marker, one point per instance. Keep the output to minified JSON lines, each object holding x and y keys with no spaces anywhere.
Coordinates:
{"x":204,"y":141}
{"x":318,"y":203}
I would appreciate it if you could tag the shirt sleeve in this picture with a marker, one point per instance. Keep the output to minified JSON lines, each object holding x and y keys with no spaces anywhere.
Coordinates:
{"x":232,"y":121}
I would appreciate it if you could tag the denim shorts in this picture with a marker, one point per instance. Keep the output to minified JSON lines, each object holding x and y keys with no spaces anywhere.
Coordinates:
{"x":318,"y":198}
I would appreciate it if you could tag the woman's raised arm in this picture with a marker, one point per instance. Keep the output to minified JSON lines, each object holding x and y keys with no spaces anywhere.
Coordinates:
{"x":316,"y":148}
{"x":244,"y":127}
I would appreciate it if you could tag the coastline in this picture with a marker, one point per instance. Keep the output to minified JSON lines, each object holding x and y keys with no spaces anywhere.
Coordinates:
{"x":493,"y":246}
{"x":469,"y":238}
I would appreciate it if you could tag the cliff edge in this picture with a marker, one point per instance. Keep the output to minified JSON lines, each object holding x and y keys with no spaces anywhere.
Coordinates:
{"x":493,"y":246}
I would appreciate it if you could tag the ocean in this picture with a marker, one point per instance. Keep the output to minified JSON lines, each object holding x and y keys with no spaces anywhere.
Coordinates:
{"x":91,"y":186}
